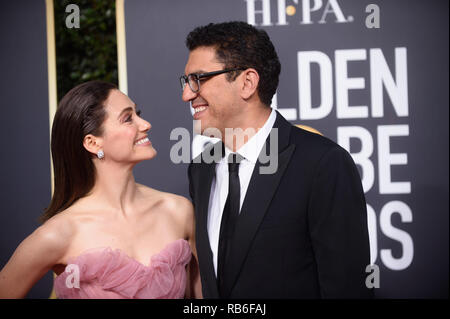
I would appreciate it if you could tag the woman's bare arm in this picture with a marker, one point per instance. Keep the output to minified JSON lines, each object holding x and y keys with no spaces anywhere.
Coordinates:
{"x":33,"y":258}
{"x":194,"y":287}
{"x":182,"y":211}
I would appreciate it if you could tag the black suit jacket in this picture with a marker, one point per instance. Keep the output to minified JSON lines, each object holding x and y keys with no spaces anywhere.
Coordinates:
{"x":302,"y":231}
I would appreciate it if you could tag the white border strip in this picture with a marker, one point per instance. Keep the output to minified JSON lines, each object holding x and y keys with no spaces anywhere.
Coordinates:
{"x":121,"y":46}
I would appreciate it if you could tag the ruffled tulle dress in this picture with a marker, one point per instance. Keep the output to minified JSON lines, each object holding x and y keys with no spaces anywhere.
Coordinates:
{"x":104,"y":273}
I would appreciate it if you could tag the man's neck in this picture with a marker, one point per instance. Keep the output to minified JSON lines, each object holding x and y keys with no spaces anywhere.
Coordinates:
{"x":236,"y":137}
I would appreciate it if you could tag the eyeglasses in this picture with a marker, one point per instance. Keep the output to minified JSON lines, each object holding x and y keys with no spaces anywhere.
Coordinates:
{"x":193,"y":79}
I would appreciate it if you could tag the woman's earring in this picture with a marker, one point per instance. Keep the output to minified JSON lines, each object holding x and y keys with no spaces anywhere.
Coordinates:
{"x":100,"y":154}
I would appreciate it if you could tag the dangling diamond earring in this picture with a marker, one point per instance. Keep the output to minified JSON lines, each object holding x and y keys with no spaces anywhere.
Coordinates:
{"x":100,"y":154}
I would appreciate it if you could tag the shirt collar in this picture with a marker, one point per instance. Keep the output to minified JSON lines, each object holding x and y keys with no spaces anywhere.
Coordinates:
{"x":250,"y":150}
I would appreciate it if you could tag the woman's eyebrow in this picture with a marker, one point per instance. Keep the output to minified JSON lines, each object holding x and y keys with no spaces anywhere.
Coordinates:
{"x":130,"y":108}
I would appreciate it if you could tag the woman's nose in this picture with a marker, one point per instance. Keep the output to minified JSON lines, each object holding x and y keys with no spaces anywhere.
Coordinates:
{"x":145,"y":126}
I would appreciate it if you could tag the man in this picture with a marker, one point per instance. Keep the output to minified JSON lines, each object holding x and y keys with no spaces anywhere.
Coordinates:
{"x":299,"y":231}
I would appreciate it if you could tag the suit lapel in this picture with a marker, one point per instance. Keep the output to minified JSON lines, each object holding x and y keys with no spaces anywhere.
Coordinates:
{"x":259,"y":195}
{"x":204,"y":178}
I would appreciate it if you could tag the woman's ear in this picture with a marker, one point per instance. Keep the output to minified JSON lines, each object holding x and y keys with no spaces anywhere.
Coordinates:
{"x":250,"y":81}
{"x":92,"y":143}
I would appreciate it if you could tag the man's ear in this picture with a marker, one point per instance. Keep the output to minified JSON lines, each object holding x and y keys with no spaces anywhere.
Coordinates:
{"x":250,"y":81}
{"x":92,"y":143}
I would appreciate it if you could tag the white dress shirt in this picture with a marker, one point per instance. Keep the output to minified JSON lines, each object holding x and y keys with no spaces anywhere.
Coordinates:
{"x":219,"y":187}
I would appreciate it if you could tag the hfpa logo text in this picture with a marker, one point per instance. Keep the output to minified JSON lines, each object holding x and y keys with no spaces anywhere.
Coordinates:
{"x":259,"y":12}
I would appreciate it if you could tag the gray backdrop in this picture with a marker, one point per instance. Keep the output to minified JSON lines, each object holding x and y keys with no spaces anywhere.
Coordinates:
{"x":24,"y":133}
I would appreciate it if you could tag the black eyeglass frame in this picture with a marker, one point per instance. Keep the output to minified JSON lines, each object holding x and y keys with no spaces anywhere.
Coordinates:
{"x":198,"y":76}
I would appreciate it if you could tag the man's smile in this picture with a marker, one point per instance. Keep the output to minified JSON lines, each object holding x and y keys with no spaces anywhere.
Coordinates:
{"x":199,"y":109}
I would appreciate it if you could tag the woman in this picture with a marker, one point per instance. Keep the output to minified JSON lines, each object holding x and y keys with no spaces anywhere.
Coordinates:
{"x":104,"y":235}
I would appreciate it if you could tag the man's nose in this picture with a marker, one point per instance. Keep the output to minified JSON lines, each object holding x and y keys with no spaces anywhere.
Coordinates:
{"x":188,"y":95}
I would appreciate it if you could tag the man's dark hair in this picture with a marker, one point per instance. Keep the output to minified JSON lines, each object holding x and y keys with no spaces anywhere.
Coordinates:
{"x":239,"y":44}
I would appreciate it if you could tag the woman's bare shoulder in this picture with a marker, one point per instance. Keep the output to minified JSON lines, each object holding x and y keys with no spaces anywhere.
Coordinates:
{"x":175,"y":205}
{"x":45,"y":246}
{"x":169,"y":200}
{"x":36,"y":254}
{"x":57,"y":231}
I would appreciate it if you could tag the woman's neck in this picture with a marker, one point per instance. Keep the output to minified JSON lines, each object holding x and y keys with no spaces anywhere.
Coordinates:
{"x":115,"y":187}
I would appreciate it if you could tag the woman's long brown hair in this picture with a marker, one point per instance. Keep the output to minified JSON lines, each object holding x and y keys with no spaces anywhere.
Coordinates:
{"x":80,"y":112}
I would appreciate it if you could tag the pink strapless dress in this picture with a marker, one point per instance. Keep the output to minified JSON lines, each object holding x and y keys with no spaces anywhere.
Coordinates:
{"x":105,"y":273}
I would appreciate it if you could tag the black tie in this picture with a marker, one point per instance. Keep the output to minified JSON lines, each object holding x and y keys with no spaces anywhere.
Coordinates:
{"x":229,"y":217}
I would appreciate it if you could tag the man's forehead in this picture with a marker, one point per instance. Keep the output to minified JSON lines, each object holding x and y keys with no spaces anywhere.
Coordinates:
{"x":201,"y":59}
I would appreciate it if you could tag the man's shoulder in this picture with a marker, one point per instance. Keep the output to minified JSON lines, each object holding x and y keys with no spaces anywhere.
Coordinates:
{"x":316,"y":148}
{"x":310,"y":140}
{"x":211,"y":153}
{"x":304,"y":138}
